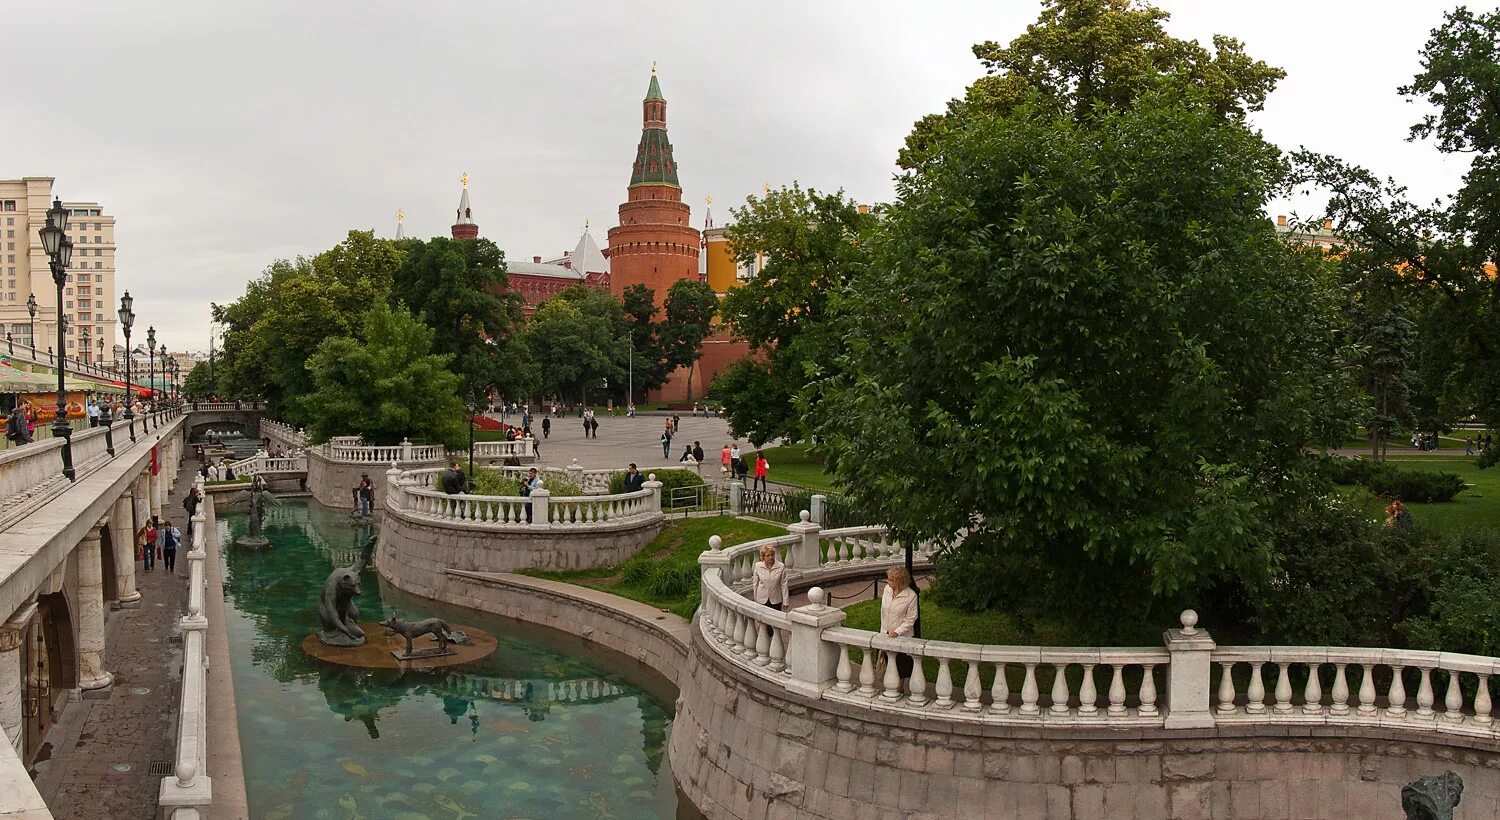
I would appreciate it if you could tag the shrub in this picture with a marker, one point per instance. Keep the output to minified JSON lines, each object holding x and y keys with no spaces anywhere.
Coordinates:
{"x":671,"y":479}
{"x":1489,"y":457}
{"x":494,"y":482}
{"x":635,"y":571}
{"x":668,"y":581}
{"x":1386,"y":480}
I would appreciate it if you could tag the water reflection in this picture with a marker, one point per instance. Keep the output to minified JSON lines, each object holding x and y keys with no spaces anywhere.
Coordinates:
{"x":530,"y":731}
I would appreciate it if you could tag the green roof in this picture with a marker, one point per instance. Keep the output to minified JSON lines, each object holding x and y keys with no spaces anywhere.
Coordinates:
{"x":654,"y":164}
{"x":653,"y":91}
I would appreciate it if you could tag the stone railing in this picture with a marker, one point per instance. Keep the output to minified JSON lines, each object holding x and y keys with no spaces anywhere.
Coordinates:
{"x":226,"y":405}
{"x":283,"y":432}
{"x":188,"y":791}
{"x":262,"y":463}
{"x":593,"y":482}
{"x":405,"y":452}
{"x":413,"y":492}
{"x":521,"y":449}
{"x":1187,"y":683}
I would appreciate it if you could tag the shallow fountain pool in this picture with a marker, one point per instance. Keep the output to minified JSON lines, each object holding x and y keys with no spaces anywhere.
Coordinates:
{"x":543,"y":728}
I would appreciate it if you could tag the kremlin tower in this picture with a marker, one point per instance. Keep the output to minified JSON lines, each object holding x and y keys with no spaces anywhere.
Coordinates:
{"x":654,"y":244}
{"x":464,"y":227}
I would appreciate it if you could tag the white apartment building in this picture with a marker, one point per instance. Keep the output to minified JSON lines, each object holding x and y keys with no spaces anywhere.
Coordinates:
{"x":89,"y":294}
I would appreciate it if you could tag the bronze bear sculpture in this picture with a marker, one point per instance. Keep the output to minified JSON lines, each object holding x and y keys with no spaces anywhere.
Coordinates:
{"x":336,"y":606}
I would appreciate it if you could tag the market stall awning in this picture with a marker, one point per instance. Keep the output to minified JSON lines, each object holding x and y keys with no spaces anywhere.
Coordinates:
{"x":19,"y":381}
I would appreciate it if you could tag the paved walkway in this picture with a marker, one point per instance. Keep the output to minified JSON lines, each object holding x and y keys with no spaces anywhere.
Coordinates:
{"x":129,"y":727}
{"x":623,"y":440}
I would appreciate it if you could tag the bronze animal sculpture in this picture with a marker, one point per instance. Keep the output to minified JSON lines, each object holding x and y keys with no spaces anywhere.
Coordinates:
{"x":336,"y":606}
{"x":436,"y":627}
{"x":1432,"y":797}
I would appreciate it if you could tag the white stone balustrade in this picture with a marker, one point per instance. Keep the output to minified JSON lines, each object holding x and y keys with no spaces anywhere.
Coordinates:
{"x":188,"y":791}
{"x":414,"y":493}
{"x":262,"y":463}
{"x":521,"y":449}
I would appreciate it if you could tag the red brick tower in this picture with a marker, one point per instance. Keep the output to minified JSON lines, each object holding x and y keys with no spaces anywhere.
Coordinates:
{"x":654,"y":244}
{"x":464,"y":227}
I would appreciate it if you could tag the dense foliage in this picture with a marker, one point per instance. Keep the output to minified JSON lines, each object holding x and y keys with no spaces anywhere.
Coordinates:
{"x":580,"y":343}
{"x":1387,"y":481}
{"x":197,"y":385}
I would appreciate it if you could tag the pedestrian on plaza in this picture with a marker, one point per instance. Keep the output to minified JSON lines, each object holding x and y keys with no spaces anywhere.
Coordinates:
{"x":633,"y":479}
{"x":769,"y":586}
{"x":898,"y":613}
{"x":1468,"y":446}
{"x":698,"y":452}
{"x":666,"y":442}
{"x":92,"y":411}
{"x":148,"y":544}
{"x":536,"y":445}
{"x":736,"y":464}
{"x":676,"y":422}
{"x":687,"y":454}
{"x":762,"y":467}
{"x":594,"y":423}
{"x":190,"y":504}
{"x":171,"y":537}
{"x":586,"y":427}
{"x":530,"y":484}
{"x":546,"y":428}
{"x":726,"y":462}
{"x":213,"y":471}
{"x":366,"y":493}
{"x":454,"y":480}
{"x":15,"y":427}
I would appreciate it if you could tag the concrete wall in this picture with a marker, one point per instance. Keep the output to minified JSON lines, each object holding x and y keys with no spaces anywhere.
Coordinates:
{"x":419,"y":550}
{"x":743,"y":750}
{"x":332,"y":483}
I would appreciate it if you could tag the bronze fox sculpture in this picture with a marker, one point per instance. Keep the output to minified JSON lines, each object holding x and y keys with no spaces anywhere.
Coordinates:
{"x":436,"y":627}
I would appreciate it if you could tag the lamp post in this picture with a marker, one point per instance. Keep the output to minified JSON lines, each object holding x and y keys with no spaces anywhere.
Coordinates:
{"x":85,"y":345}
{"x":127,"y":318}
{"x":31,"y":309}
{"x":164,"y":361}
{"x":59,"y":250}
{"x":151,"y":366}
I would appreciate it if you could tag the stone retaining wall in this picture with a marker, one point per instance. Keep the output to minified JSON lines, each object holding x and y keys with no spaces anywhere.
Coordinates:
{"x":742,"y":749}
{"x":415,"y":548}
{"x":332,"y":483}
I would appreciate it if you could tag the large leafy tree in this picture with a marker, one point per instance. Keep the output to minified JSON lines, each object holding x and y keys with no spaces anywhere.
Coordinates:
{"x":1442,"y":251}
{"x":198,"y":384}
{"x":648,"y":363}
{"x":385,"y":385}
{"x":1086,"y":57}
{"x":689,"y":313}
{"x":458,"y":287}
{"x":579,"y":341}
{"x":1081,"y":355}
{"x":808,"y":245}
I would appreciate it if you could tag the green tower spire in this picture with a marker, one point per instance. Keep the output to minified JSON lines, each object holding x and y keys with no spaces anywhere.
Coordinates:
{"x":654,"y":164}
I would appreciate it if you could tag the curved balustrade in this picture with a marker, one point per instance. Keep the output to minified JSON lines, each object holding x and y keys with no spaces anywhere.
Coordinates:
{"x":413,"y":492}
{"x":262,"y":463}
{"x":1188,"y":683}
{"x":188,"y":789}
{"x":345,"y":450}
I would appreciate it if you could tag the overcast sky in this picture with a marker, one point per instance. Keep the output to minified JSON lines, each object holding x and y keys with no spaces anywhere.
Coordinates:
{"x":223,"y":136}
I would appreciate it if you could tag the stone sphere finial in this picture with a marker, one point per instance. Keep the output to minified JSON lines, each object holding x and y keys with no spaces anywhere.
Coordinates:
{"x":575,"y":461}
{"x":1189,"y":620}
{"x":651,"y":477}
{"x":805,"y":516}
{"x":185,"y":771}
{"x":715,"y":543}
{"x":816,"y":596}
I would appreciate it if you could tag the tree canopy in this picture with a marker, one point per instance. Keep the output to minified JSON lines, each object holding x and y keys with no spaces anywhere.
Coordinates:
{"x":198,"y":384}
{"x":688,"y":319}
{"x":579,"y":341}
{"x":385,"y":385}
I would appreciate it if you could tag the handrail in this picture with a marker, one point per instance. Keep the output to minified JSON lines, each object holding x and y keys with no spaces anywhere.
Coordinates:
{"x":189,"y":787}
{"x":413,"y":493}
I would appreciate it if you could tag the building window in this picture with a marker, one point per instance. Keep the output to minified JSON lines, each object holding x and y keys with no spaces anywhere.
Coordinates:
{"x":70,"y":344}
{"x":69,"y":291}
{"x":9,"y":205}
{"x":68,"y":304}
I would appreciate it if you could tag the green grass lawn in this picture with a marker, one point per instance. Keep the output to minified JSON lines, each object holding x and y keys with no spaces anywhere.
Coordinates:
{"x":665,"y":572}
{"x":791,"y":464}
{"x":1478,"y":505}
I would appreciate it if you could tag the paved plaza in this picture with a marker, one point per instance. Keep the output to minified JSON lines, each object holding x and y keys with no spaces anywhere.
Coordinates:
{"x":623,"y":440}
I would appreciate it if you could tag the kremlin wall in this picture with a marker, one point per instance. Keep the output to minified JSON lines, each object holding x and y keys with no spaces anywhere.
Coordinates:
{"x":654,"y":245}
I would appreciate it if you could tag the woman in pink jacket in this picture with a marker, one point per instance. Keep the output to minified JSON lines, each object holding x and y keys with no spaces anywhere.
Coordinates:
{"x":898,"y":613}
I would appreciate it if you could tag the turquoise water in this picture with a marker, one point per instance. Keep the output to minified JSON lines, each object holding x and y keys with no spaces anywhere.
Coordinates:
{"x":543,"y":728}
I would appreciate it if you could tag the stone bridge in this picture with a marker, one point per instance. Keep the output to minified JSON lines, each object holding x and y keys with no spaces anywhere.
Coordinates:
{"x":242,"y":417}
{"x":67,"y":555}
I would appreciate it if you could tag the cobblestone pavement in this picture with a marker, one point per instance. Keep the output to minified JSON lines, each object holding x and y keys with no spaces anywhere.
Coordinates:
{"x":623,"y":440}
{"x":80,"y":781}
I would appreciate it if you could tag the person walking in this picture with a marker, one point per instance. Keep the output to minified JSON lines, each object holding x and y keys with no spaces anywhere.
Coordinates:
{"x":1468,"y":446}
{"x":171,"y":537}
{"x":190,"y":504}
{"x":769,"y":585}
{"x":698,"y":452}
{"x":666,"y":441}
{"x":762,"y":467}
{"x":546,"y":428}
{"x":725,"y":461}
{"x":148,"y":545}
{"x":366,"y":493}
{"x":530,"y":484}
{"x":676,"y":423}
{"x":92,"y":411}
{"x":898,"y":613}
{"x":586,"y":426}
{"x":594,"y":423}
{"x":15,"y":427}
{"x":736,"y":464}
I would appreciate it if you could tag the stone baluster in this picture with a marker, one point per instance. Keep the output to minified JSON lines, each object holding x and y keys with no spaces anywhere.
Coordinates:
{"x":1312,"y":693}
{"x":1424,"y":694}
{"x":1148,"y":690}
{"x":1453,"y":703}
{"x":1482,"y":701}
{"x":1340,"y":690}
{"x":1395,"y":696}
{"x":891,"y":685}
{"x":843,"y":672}
{"x":1059,"y":694}
{"x":777,"y":651}
{"x":1255,"y":694}
{"x":972,"y":688}
{"x":762,"y":642}
{"x":93,"y":680}
{"x":867,"y":672}
{"x":1000,"y":691}
{"x":1226,"y":688}
{"x":1088,"y":694}
{"x":1283,"y":704}
{"x":942,"y":690}
{"x":1367,"y":690}
{"x":918,"y":682}
{"x":1117,"y":690}
{"x":122,"y":542}
{"x":749,"y":637}
{"x":1030,"y":694}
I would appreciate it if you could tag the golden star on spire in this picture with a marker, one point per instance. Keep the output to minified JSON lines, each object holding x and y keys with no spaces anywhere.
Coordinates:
{"x":653,"y":66}
{"x":400,"y":214}
{"x":768,"y":187}
{"x":708,"y":200}
{"x":464,"y":179}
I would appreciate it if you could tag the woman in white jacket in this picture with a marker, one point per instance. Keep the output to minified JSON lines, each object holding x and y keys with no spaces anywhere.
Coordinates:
{"x":769,"y":585}
{"x":898,"y":613}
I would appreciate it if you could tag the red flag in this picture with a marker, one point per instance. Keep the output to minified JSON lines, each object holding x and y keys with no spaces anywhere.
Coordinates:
{"x":155,"y":466}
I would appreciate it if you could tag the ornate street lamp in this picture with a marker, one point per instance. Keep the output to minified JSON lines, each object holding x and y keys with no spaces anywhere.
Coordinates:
{"x":151,"y":365}
{"x":59,"y":249}
{"x":85,"y":344}
{"x":165,"y":360}
{"x":31,"y":309}
{"x":127,"y":318}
